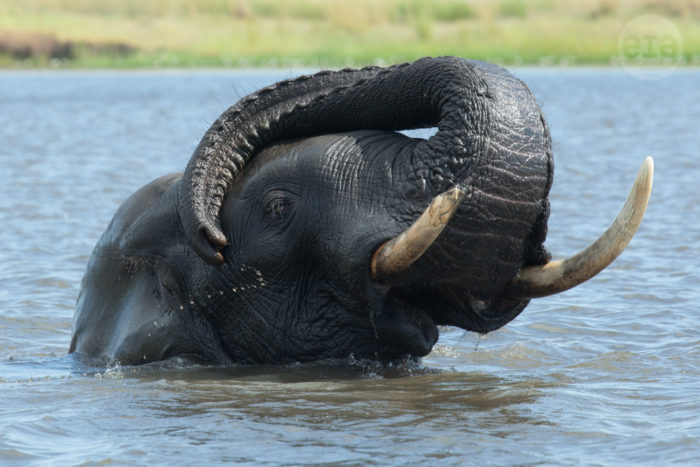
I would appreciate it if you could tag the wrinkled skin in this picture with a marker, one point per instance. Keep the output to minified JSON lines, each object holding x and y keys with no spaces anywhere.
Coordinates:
{"x":303,"y":217}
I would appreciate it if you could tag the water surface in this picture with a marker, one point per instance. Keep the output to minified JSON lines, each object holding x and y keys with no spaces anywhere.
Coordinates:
{"x":605,"y":374}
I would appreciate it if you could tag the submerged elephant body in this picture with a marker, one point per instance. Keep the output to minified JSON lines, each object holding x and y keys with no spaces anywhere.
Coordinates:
{"x":261,"y":251}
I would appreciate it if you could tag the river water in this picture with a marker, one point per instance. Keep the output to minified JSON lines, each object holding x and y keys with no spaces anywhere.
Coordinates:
{"x":605,"y":374}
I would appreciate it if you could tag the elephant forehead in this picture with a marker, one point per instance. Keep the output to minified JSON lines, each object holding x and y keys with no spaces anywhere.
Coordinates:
{"x":345,"y":161}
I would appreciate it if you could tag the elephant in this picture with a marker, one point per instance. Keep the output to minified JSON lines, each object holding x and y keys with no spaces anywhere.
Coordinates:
{"x":306,"y":226}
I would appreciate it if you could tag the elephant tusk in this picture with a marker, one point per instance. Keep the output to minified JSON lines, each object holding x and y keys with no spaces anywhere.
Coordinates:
{"x":400,"y":252}
{"x":558,"y":276}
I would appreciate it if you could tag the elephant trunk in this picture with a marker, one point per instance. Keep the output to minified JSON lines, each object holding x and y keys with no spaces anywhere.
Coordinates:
{"x":490,"y":141}
{"x":494,"y":146}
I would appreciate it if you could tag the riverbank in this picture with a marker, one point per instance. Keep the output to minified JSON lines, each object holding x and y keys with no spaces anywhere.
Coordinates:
{"x":331,"y":33}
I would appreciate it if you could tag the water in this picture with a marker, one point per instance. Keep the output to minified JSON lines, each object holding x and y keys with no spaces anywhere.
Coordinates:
{"x":605,"y":374}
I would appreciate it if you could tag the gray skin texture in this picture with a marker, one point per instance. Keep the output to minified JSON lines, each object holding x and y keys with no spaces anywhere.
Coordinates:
{"x":260,"y":251}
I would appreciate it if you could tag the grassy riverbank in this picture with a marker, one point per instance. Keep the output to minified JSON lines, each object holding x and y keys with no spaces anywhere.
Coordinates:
{"x":328,"y":33}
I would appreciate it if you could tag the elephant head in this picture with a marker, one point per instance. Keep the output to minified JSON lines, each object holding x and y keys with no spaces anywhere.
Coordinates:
{"x":305,"y":227}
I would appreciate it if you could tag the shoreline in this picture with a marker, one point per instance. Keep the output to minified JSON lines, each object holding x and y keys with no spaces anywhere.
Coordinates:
{"x":310,"y":69}
{"x":173,"y":61}
{"x":322,"y":34}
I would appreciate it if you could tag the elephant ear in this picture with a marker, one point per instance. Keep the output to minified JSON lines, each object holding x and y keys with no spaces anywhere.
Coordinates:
{"x":446,"y":92}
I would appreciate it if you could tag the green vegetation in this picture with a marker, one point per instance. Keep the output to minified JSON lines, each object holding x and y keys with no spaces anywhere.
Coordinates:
{"x":329,"y":33}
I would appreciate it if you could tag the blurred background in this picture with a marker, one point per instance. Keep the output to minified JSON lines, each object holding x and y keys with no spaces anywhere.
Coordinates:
{"x":332,"y":33}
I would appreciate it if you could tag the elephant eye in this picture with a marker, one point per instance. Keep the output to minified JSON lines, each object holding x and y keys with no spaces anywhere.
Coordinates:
{"x":276,"y":203}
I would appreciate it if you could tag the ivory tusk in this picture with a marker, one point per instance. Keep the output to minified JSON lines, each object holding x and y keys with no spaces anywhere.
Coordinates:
{"x":558,"y":276}
{"x":400,"y":252}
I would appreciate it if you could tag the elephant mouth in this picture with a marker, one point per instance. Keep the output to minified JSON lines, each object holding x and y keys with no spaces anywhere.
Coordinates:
{"x":449,"y":304}
{"x":405,"y":324}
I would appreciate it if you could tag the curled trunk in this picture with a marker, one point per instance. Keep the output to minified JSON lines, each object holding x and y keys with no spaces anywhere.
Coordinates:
{"x":491,"y":141}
